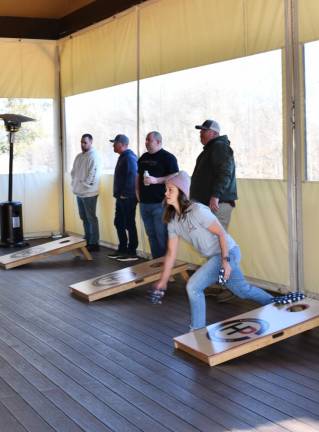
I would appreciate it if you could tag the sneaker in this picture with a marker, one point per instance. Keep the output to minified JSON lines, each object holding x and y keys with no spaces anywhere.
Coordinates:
{"x":115,"y":255}
{"x":128,"y":257}
{"x":93,"y":247}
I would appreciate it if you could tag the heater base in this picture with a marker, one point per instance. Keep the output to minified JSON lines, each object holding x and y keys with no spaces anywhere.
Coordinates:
{"x":11,"y":224}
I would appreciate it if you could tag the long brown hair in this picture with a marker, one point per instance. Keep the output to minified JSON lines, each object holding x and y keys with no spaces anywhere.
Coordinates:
{"x":169,"y":210}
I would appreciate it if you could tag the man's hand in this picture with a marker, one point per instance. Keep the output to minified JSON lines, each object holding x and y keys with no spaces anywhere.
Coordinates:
{"x":213,"y":204}
{"x":148,"y":180}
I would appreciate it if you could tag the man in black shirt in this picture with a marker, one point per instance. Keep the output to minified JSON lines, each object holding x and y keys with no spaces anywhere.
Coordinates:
{"x":154,"y":168}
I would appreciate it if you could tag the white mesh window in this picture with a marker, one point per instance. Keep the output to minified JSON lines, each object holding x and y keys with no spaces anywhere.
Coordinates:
{"x":243,"y":95}
{"x":312,"y":109}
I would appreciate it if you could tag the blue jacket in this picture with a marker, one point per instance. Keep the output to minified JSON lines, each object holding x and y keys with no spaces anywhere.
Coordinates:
{"x":124,"y":175}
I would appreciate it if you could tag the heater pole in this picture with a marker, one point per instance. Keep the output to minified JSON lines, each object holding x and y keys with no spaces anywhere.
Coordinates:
{"x":11,"y":223}
{"x":11,"y":141}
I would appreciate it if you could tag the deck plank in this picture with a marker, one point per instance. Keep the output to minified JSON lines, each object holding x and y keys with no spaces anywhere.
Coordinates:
{"x":111,"y":365}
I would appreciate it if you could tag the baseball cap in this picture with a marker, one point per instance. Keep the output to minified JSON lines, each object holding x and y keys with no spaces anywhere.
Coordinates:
{"x":120,"y":138}
{"x":209,"y":125}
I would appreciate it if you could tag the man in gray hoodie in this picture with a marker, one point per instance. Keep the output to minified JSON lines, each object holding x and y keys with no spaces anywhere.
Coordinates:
{"x":85,"y":185}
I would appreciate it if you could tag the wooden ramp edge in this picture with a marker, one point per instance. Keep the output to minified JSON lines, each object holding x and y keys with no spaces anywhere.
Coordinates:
{"x":249,"y":332}
{"x":35,"y":253}
{"x":124,"y":279}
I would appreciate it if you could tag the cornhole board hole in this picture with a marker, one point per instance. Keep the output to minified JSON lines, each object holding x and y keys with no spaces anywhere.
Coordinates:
{"x":124,"y":279}
{"x":250,"y":331}
{"x":35,"y":253}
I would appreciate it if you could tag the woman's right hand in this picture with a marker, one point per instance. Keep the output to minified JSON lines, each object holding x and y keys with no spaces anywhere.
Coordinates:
{"x":156,"y":294}
{"x":159,"y":285}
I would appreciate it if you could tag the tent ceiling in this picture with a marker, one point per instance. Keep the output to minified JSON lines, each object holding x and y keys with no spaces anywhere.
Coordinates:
{"x":54,"y":19}
{"x":40,"y":8}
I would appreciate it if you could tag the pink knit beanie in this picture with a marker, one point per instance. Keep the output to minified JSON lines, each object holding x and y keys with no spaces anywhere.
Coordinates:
{"x":182,"y":181}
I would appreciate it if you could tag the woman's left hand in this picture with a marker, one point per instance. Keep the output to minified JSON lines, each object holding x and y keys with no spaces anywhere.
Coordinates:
{"x":228,"y":269}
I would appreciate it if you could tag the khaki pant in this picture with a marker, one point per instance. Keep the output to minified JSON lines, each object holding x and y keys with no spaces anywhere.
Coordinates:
{"x":224,"y":214}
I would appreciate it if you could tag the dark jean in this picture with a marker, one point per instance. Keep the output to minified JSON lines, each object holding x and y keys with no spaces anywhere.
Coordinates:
{"x":156,"y":230}
{"x":87,"y":212}
{"x":124,"y":222}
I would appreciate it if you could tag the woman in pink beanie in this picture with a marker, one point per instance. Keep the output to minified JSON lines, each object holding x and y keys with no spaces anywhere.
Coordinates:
{"x":196,"y":224}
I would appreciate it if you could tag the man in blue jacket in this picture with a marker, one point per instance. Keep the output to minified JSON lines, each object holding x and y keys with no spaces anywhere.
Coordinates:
{"x":124,"y":193}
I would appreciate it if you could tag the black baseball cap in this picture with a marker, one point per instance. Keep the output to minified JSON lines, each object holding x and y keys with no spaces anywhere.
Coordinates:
{"x":209,"y":125}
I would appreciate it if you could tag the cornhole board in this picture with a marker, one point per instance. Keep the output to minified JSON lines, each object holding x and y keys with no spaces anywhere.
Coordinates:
{"x":250,"y":331}
{"x":35,"y":253}
{"x":124,"y":279}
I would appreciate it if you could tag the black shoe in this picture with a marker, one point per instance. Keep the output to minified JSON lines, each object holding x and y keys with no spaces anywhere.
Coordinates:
{"x":128,"y":257}
{"x":116,"y":254}
{"x":93,"y":247}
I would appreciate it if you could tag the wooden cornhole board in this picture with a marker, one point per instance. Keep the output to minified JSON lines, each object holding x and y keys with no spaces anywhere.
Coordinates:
{"x":250,"y":331}
{"x":124,"y":279}
{"x":35,"y":253}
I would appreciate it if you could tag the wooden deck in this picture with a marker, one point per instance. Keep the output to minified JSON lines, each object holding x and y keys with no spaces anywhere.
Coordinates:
{"x":66,"y":365}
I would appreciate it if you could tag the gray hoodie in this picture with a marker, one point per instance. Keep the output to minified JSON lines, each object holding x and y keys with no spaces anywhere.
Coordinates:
{"x":86,"y":174}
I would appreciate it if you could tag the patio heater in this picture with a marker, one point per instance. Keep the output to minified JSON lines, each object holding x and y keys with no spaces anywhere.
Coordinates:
{"x":11,"y":226}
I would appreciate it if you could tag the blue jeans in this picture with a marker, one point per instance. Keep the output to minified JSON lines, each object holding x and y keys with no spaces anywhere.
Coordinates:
{"x":208,"y":274}
{"x":156,"y":230}
{"x":87,"y":210}
{"x":125,"y":221}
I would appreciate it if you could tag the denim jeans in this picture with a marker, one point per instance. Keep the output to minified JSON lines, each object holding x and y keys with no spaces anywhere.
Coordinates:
{"x":156,"y":230}
{"x":208,"y":274}
{"x":125,"y":221}
{"x":87,"y":212}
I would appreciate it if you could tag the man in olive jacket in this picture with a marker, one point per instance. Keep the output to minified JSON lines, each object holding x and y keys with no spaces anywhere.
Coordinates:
{"x":213,"y":181}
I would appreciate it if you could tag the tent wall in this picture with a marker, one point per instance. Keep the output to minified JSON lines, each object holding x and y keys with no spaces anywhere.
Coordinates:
{"x":181,"y":34}
{"x":164,"y":36}
{"x":152,"y":32}
{"x":29,"y":70}
{"x":308,"y":18}
{"x":168,"y":36}
{"x":102,"y":57}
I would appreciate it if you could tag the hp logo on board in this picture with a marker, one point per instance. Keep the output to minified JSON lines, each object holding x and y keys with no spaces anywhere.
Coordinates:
{"x":237,"y":330}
